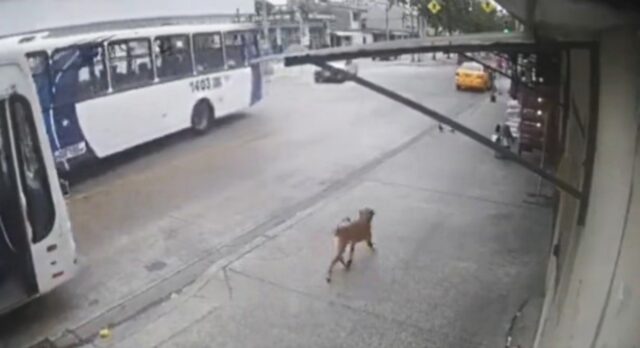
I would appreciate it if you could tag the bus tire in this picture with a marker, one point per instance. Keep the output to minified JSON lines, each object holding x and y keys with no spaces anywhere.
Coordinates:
{"x":202,"y":116}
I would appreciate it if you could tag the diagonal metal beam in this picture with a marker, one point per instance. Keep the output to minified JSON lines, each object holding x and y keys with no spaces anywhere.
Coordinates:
{"x":591,"y":132}
{"x":576,"y":114}
{"x":455,"y":125}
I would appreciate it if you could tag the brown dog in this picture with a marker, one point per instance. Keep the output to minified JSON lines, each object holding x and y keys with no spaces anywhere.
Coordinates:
{"x":349,"y":233}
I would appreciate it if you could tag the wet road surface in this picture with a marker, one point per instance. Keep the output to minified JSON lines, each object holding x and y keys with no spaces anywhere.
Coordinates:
{"x":172,"y":207}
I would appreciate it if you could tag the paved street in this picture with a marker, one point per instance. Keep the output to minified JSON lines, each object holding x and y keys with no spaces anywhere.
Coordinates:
{"x":243,"y":215}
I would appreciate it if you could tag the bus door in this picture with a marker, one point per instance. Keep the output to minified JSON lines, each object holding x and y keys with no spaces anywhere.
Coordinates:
{"x":57,"y":83}
{"x":17,"y":276}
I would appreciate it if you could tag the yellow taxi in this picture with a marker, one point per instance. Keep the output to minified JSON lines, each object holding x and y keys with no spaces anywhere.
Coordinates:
{"x":471,"y":75}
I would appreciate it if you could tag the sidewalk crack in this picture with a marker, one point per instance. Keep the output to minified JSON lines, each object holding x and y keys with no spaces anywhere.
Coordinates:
{"x":227,"y":282}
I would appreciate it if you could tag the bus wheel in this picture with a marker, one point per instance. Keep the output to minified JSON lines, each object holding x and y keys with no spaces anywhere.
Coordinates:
{"x":202,"y":116}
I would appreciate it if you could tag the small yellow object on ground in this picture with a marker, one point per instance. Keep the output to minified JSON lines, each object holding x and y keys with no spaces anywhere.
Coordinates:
{"x":105,"y":333}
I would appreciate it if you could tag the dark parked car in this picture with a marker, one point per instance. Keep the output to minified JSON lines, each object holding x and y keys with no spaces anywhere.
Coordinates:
{"x":385,"y":58}
{"x":321,"y":75}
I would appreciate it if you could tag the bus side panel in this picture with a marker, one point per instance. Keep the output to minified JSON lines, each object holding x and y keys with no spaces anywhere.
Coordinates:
{"x":237,"y":89}
{"x":122,"y":120}
{"x":55,"y":256}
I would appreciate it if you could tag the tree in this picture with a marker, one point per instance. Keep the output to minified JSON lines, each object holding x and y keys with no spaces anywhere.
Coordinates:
{"x":307,"y":7}
{"x":390,"y":4}
{"x":478,"y":20}
{"x":259,"y":6}
{"x":466,"y":16}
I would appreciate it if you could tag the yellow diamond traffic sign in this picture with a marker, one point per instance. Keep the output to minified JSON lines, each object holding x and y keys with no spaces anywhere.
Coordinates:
{"x":434,"y":7}
{"x":488,"y":6}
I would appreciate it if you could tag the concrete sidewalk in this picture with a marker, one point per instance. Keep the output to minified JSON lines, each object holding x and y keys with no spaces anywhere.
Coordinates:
{"x":458,"y":251}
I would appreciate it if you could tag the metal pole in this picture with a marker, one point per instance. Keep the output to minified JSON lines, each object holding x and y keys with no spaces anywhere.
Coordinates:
{"x":265,"y":23}
{"x":301,"y":27}
{"x":386,"y":21}
{"x":419,"y":28}
{"x":455,"y":125}
{"x":543,"y":157}
{"x":592,"y":130}
{"x":413,"y":30}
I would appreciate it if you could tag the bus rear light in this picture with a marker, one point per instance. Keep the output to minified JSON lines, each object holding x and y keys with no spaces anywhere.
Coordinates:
{"x":57,"y":275}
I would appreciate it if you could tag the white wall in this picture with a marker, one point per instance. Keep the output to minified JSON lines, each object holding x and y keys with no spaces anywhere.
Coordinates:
{"x":622,"y":315}
{"x":570,"y":169}
{"x":602,"y":292}
{"x":18,"y":16}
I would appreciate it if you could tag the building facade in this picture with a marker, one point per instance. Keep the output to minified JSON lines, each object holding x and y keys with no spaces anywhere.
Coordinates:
{"x":366,"y":21}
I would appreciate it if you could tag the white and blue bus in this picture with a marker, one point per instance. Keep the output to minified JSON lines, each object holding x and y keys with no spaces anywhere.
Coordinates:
{"x":105,"y":92}
{"x":37,"y":250}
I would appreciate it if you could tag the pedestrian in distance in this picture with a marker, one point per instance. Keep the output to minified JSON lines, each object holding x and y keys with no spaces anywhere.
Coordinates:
{"x":500,"y":139}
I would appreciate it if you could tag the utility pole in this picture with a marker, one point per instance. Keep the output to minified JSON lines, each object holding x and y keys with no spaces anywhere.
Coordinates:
{"x":412,"y":29}
{"x":421,"y":28}
{"x":386,"y":18}
{"x":265,"y":23}
{"x":301,"y":27}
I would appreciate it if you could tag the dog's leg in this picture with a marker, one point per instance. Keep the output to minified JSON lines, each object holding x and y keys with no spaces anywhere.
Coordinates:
{"x":333,"y":263}
{"x":338,"y":258}
{"x":370,"y":244}
{"x":351,"y":250}
{"x":342,"y":261}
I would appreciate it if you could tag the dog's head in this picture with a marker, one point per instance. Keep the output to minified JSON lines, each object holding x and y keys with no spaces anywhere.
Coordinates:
{"x":367,"y":214}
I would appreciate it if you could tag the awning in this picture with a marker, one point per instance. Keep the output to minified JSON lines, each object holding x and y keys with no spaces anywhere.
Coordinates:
{"x":501,"y":42}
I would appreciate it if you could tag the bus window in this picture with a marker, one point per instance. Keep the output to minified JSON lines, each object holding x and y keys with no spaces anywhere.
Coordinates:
{"x":92,"y":75}
{"x":234,"y":47}
{"x":130,"y":63}
{"x":208,"y":52}
{"x":173,"y":56}
{"x":39,"y":64}
{"x":78,"y":73}
{"x":32,"y":171}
